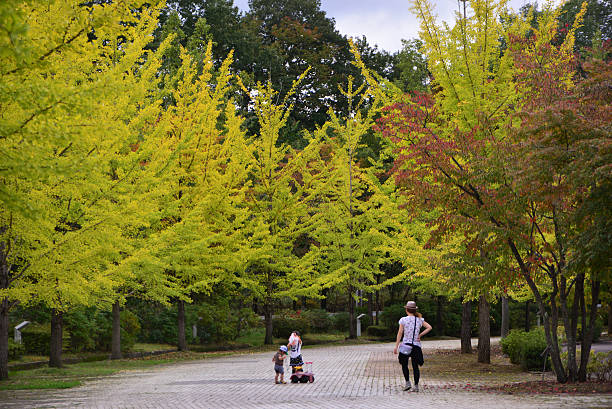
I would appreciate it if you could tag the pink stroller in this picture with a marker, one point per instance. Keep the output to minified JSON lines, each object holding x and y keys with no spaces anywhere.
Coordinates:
{"x":303,"y":376}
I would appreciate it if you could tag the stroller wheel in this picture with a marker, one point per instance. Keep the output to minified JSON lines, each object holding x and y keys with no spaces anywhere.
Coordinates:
{"x":304,"y":379}
{"x":294,"y":379}
{"x":311,"y":378}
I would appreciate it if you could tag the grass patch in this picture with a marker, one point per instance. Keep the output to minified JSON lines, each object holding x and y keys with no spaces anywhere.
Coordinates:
{"x":453,"y":366}
{"x":142,"y":347}
{"x":254,"y":337}
{"x":74,"y":374}
{"x":38,"y":384}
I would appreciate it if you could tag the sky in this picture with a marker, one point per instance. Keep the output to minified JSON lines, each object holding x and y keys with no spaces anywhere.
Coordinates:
{"x":383,"y":22}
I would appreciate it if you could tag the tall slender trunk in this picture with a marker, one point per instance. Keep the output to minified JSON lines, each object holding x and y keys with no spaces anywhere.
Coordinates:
{"x":4,"y":308}
{"x":527,"y":323}
{"x":570,"y":320}
{"x":439,"y":319}
{"x":268,"y":340}
{"x":55,"y":347}
{"x":550,"y":323}
{"x":324,"y":299}
{"x":466,"y":328}
{"x":371,"y":306}
{"x":182,"y":341}
{"x":378,"y":306}
{"x":610,"y":318}
{"x":505,"y":321}
{"x":4,"y":330}
{"x":352,"y":319}
{"x":587,"y":335}
{"x":484,"y":331}
{"x":116,"y":341}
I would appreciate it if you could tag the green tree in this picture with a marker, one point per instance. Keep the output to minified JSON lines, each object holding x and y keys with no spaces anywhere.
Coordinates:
{"x":280,"y":181}
{"x":201,"y":193}
{"x":70,"y":104}
{"x":411,"y":67}
{"x":464,"y":150}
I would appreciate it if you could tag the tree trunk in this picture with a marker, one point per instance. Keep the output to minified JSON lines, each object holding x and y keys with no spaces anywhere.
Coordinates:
{"x":505,"y":321}
{"x":466,"y":328}
{"x":4,"y":309}
{"x":527,"y":325}
{"x":352,"y":319}
{"x":268,"y":321}
{"x":371,"y":306}
{"x":587,"y":335}
{"x":610,"y":319}
{"x":324,"y":299}
{"x":550,"y":323}
{"x":484,"y":331}
{"x":570,"y":318}
{"x":4,"y":334}
{"x":182,"y":341}
{"x":378,"y":307}
{"x":55,"y":353}
{"x":439,"y":319}
{"x":116,"y":341}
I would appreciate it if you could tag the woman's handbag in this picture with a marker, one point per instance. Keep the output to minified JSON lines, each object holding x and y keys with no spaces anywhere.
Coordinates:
{"x":405,"y":349}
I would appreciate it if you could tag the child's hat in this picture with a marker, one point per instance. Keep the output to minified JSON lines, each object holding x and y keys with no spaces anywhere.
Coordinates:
{"x":283,"y":348}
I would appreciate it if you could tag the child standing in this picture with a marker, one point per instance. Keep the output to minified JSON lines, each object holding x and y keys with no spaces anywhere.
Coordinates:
{"x":278,"y":359}
{"x":295,"y":355}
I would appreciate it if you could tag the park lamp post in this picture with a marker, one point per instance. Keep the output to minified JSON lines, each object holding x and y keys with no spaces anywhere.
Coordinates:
{"x":359,"y":317}
{"x":18,"y":329}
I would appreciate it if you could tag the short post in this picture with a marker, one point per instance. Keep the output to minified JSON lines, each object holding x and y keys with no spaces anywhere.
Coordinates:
{"x":359,"y":317}
{"x":545,"y":355}
{"x":18,"y":329}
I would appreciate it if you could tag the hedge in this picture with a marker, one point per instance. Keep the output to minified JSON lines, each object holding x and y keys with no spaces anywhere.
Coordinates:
{"x":525,"y":348}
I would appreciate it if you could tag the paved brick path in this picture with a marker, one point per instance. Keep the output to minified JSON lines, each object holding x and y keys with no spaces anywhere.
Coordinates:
{"x":360,"y":376}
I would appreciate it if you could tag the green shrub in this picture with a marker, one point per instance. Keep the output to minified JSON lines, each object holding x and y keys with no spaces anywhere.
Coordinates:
{"x":391,"y":315}
{"x":378,"y":331}
{"x":288,"y":321}
{"x":36,"y":339}
{"x":341,"y":321}
{"x":84,"y":327}
{"x":319,"y":320}
{"x":15,"y":350}
{"x":600,"y":366}
{"x":159,"y":324}
{"x":597,"y":331}
{"x":510,"y":345}
{"x":525,"y":348}
{"x":220,"y":322}
{"x":130,"y":326}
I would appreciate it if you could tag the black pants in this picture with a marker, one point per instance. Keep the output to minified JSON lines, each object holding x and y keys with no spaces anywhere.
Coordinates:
{"x":403,"y":360}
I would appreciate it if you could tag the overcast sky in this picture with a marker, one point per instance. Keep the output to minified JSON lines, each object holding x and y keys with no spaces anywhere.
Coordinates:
{"x":383,"y":22}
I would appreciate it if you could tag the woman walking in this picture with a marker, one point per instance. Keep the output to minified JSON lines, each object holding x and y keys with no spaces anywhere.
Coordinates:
{"x":408,"y":343}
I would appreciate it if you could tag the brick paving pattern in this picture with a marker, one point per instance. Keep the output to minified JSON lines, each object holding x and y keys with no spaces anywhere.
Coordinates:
{"x":360,"y":376}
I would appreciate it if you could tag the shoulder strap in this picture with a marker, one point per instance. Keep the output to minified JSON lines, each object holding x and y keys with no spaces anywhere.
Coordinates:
{"x":414,"y":330}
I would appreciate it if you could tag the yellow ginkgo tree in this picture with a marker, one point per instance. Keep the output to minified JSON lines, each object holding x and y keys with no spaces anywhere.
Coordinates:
{"x":76,"y":90}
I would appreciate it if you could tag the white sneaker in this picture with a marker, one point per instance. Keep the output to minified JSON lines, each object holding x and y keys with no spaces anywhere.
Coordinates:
{"x":416,"y":388}
{"x":408,"y":386}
